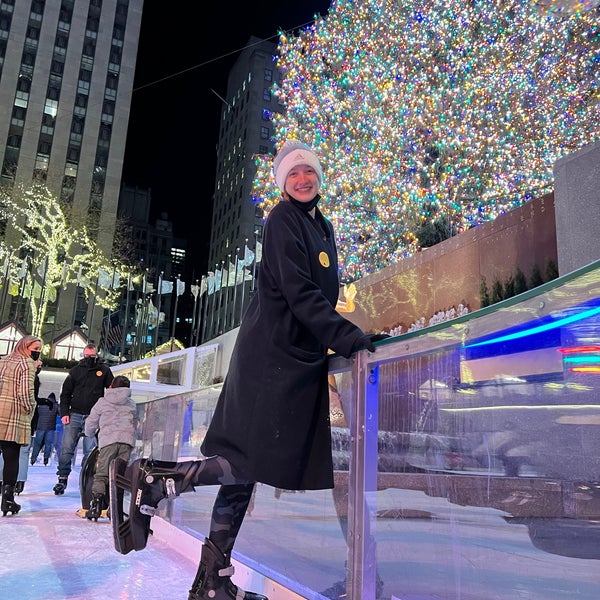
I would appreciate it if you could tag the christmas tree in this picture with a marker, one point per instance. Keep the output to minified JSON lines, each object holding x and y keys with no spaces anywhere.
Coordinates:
{"x":434,"y":111}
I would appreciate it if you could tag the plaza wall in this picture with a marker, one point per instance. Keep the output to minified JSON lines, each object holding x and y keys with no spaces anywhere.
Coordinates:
{"x":450,"y":273}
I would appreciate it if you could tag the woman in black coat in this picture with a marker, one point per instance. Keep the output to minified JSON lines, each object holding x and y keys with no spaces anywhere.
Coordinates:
{"x":271,"y":423}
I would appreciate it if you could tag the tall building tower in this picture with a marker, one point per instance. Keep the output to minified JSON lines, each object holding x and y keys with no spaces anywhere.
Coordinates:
{"x":155,"y":251}
{"x":66,"y":78}
{"x":245,"y":131}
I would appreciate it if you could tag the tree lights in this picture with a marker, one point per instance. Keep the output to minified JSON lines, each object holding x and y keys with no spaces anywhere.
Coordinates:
{"x":434,"y":109}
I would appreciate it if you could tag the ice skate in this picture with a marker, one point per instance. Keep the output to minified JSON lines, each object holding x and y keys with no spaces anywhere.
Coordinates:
{"x":213,"y":580}
{"x":19,"y":487}
{"x":96,"y":505}
{"x":61,"y":486}
{"x":8,"y":501}
{"x":135,"y":492}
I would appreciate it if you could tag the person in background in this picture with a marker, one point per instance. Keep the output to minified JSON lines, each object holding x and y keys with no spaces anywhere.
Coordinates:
{"x":271,"y":423}
{"x":114,"y":417}
{"x":81,"y":389}
{"x":24,"y":451}
{"x":17,"y":404}
{"x":46,"y":428}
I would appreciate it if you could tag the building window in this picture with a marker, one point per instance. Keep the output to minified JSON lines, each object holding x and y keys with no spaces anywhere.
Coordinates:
{"x":264,"y":133}
{"x":18,"y":116}
{"x":14,"y":141}
{"x":21,"y":99}
{"x":268,"y":74}
{"x":41,"y":162}
{"x":57,"y":67}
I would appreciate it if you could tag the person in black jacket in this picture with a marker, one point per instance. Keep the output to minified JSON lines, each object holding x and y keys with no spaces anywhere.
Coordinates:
{"x":271,"y":423}
{"x":81,"y":389}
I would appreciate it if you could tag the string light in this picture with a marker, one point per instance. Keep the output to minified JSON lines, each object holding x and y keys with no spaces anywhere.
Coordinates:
{"x":434,"y":108}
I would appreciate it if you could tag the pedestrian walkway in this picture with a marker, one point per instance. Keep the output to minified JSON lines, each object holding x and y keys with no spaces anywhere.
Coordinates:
{"x":48,"y":552}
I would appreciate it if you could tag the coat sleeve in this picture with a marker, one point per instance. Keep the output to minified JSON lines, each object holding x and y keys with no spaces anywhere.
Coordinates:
{"x":108,"y":377}
{"x":66,"y":395}
{"x":92,"y":421}
{"x":285,"y":254}
{"x":24,"y":388}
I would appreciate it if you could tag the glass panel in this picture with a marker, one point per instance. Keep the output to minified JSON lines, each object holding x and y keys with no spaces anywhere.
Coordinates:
{"x":141,"y":373}
{"x":171,"y":371}
{"x":467,"y":462}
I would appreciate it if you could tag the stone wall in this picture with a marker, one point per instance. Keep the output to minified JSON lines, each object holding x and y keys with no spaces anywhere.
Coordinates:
{"x":450,"y":273}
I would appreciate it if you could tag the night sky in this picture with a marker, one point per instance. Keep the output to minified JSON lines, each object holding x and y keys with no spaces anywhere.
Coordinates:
{"x":173,"y":125}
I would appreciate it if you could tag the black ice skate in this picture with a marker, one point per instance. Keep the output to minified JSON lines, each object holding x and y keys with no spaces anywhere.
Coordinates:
{"x":213,"y":579}
{"x":96,"y":505}
{"x":136,"y":490}
{"x":8,"y":501}
{"x":61,"y":486}
{"x":19,"y":487}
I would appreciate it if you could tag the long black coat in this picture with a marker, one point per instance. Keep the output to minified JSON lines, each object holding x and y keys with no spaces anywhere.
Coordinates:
{"x":272,"y":418}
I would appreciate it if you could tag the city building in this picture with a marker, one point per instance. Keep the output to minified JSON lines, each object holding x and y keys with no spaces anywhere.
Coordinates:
{"x":155,"y":253}
{"x":66,"y":79}
{"x":245,"y":131}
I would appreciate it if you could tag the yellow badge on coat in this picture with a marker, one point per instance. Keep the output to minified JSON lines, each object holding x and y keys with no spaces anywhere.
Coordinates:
{"x":324,"y":259}
{"x":98,"y":373}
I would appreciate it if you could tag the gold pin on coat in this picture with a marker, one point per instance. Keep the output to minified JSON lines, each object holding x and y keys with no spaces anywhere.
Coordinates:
{"x":324,"y":259}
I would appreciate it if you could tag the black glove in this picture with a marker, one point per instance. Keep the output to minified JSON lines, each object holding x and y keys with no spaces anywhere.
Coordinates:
{"x":44,"y":402}
{"x":377,"y":337}
{"x":367,"y":341}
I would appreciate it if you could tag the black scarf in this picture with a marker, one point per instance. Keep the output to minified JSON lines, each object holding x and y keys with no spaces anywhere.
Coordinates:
{"x":305,"y":206}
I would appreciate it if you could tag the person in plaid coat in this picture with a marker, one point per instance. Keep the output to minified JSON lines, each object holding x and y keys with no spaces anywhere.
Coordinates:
{"x":17,"y":405}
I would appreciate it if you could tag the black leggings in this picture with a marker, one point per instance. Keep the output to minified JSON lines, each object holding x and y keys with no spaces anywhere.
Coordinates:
{"x":231,"y":502}
{"x":10,"y":454}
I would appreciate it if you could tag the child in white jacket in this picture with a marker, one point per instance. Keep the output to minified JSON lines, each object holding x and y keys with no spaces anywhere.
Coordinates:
{"x":114,"y":417}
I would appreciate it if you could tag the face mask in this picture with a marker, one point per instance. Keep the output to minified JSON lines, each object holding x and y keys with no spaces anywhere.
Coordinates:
{"x":90,"y":361}
{"x":35,"y":354}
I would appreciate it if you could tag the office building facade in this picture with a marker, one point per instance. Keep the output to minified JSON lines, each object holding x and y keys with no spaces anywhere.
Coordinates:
{"x":246,"y":130}
{"x":66,"y":79}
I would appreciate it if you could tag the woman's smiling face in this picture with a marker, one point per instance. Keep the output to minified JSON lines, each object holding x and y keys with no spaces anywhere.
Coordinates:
{"x":302,"y":183}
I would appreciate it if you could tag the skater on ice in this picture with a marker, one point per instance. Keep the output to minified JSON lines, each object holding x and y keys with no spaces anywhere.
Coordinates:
{"x":271,"y":423}
{"x":114,"y":418}
{"x":17,"y":404}
{"x":81,"y":389}
{"x":45,"y":429}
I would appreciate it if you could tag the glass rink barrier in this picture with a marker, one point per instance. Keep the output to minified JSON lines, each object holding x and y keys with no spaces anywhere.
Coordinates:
{"x":467,"y":462}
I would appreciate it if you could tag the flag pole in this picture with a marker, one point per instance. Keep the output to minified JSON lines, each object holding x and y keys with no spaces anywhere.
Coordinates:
{"x":235,"y":284}
{"x":225,"y":319}
{"x":202,"y":303}
{"x":158,"y":302}
{"x":205,"y":319}
{"x":254,"y":265}
{"x":127,"y":300}
{"x":243,"y":281}
{"x":39,"y":326}
{"x":195,"y":294}
{"x":91,"y":323}
{"x":76,"y":296}
{"x":220,"y":298}
{"x":175,"y":309}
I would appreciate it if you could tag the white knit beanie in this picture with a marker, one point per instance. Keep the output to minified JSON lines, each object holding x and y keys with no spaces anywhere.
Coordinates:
{"x":290,"y":155}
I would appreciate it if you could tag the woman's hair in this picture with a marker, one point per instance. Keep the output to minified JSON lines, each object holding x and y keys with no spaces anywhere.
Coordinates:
{"x":24,"y":343}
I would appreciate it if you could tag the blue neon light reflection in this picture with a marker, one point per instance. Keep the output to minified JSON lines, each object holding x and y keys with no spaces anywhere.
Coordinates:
{"x":586,"y":314}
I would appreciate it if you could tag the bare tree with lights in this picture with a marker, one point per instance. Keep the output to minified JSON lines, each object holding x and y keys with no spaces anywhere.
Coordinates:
{"x":43,"y":252}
